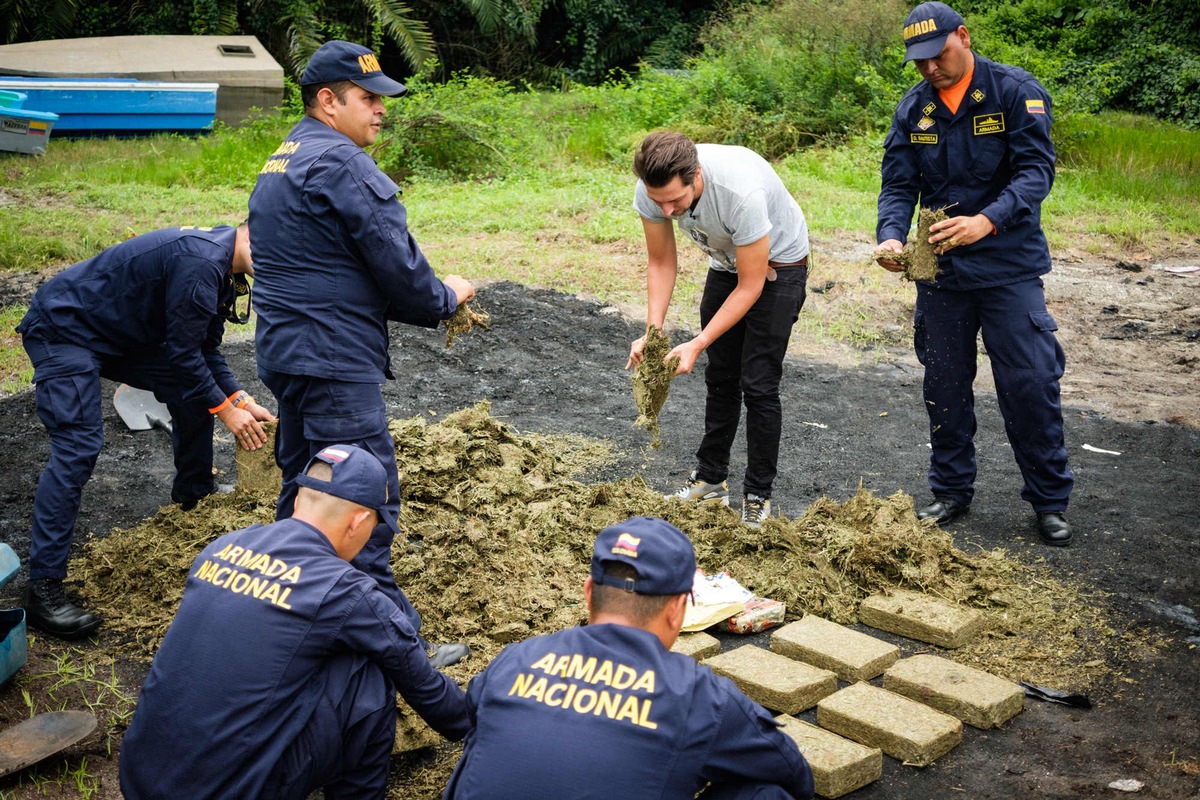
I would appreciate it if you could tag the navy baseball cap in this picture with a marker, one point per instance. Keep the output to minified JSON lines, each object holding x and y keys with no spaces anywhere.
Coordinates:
{"x":357,"y":476}
{"x":926,"y":29}
{"x":660,"y":553}
{"x":346,"y":61}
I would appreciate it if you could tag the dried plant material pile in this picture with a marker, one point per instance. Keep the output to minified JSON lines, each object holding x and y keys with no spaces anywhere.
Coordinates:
{"x":256,"y":469}
{"x":652,"y":381}
{"x":919,"y":259}
{"x":466,"y":317}
{"x":498,"y":532}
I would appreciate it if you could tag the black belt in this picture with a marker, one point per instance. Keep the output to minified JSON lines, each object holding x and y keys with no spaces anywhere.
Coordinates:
{"x":801,"y":263}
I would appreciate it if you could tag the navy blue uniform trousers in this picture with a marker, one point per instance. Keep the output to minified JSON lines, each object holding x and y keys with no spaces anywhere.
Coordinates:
{"x":745,"y":365}
{"x":71,"y":408}
{"x":315,"y":413}
{"x":347,"y":745}
{"x":1027,"y":363}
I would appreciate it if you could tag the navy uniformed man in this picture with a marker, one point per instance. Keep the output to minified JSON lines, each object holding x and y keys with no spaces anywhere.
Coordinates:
{"x":275,"y":677}
{"x":149,"y":312}
{"x":335,"y":262}
{"x":974,"y":137}
{"x":607,"y":710}
{"x":733,"y":205}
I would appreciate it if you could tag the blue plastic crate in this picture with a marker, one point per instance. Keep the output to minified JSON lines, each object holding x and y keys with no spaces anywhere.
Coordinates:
{"x":13,"y":646}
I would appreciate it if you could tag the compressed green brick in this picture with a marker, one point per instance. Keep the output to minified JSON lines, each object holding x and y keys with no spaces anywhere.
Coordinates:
{"x":772,"y":680}
{"x":921,"y":617}
{"x":904,"y":729}
{"x":853,"y":656}
{"x":976,"y":697}
{"x":697,"y":645}
{"x":839,"y":766}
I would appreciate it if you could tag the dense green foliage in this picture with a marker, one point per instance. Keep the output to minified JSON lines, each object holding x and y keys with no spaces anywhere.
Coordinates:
{"x":773,"y":74}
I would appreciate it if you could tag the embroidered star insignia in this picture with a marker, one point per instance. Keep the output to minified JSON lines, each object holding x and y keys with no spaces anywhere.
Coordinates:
{"x":978,"y":95}
{"x":928,"y":109}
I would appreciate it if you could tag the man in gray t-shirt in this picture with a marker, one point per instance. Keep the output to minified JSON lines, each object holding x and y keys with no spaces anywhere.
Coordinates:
{"x":731,"y":203}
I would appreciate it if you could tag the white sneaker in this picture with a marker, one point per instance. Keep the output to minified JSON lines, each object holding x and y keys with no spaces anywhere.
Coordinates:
{"x":698,"y":491}
{"x":755,"y":509}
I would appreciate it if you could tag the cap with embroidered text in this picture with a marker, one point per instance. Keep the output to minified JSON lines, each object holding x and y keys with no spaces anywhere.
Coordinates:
{"x":660,"y":553}
{"x":357,"y":476}
{"x":345,"y":61}
{"x":926,"y":29}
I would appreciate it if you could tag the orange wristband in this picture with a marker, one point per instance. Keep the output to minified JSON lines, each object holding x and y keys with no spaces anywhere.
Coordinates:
{"x":221,"y":407}
{"x":242,"y":399}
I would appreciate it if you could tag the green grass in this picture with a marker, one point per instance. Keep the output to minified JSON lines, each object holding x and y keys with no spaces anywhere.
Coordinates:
{"x":554,"y":209}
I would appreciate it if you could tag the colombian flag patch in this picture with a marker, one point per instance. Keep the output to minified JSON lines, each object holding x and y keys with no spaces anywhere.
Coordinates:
{"x":1035,"y":107}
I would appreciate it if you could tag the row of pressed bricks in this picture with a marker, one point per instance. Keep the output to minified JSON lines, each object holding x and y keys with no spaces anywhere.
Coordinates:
{"x":915,"y":718}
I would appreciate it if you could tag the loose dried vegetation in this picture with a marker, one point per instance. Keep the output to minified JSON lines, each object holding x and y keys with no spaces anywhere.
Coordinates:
{"x":498,"y":528}
{"x":652,"y":381}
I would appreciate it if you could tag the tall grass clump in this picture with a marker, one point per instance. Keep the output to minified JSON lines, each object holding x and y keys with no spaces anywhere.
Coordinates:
{"x":802,"y":71}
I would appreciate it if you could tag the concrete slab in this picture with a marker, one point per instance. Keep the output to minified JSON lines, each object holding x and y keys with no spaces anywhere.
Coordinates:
{"x":921,"y":617}
{"x":852,"y":655}
{"x":839,"y":766}
{"x":772,"y":680}
{"x":906,"y":730}
{"x":978,"y":698}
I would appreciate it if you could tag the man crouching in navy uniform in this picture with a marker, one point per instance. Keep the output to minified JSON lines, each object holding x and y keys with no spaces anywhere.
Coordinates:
{"x":335,"y":262}
{"x":149,"y":312}
{"x":608,"y":711}
{"x":974,"y":138}
{"x":276,"y":675}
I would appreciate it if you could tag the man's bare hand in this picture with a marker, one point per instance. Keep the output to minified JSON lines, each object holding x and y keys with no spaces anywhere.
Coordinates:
{"x":958,"y":232}
{"x":461,"y":286}
{"x":881,"y":253}
{"x":635,"y":352}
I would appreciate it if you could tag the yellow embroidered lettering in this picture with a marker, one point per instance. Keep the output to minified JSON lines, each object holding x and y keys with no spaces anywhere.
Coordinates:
{"x":604,"y":674}
{"x":521,"y":685}
{"x":580,"y":669}
{"x":585,"y":701}
{"x":545,"y":663}
{"x":629,"y":710}
{"x":624,"y":677}
{"x":645,"y":683}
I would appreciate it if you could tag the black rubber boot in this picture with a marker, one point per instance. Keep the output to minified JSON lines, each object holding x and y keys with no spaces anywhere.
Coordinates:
{"x":49,"y":610}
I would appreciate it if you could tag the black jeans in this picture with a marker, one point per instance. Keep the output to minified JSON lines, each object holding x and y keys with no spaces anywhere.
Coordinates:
{"x":745,"y":365}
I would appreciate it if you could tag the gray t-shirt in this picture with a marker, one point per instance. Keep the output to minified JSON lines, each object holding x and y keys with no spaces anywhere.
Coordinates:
{"x":743,"y":200}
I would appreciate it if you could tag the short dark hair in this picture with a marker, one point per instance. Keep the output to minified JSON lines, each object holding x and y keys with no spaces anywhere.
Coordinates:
{"x":308,"y":94}
{"x":663,"y":155}
{"x":639,"y":608}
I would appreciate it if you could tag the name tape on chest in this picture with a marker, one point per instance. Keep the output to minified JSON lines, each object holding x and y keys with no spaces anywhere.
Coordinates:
{"x":985,"y":124}
{"x":923,"y":138}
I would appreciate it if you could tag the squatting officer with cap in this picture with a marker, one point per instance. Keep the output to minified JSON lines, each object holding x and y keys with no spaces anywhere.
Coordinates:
{"x":608,"y":711}
{"x":149,"y":312}
{"x":275,"y":677}
{"x":974,"y":138}
{"x":334,"y":263}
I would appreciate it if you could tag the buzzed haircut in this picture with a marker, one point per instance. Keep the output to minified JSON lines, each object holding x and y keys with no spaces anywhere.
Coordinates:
{"x":308,"y":94}
{"x":639,"y":608}
{"x":663,"y":155}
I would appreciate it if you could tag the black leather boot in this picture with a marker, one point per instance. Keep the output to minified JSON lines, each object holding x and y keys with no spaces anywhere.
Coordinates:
{"x":49,"y":609}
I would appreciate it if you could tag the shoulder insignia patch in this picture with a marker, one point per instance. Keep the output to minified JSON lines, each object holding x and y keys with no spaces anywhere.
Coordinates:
{"x":1035,"y":106}
{"x":989,"y":123}
{"x":925,"y":124}
{"x":978,"y":95}
{"x":923,"y":138}
{"x":928,"y":109}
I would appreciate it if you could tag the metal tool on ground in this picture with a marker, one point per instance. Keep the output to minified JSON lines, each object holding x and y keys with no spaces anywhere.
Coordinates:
{"x":140,"y":409}
{"x":28,"y":742}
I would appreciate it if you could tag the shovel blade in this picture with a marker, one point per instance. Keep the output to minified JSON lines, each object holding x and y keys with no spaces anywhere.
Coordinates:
{"x":140,"y":409}
{"x":28,"y":742}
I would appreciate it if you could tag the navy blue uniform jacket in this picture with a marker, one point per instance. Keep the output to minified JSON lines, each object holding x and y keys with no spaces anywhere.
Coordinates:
{"x":161,"y":291}
{"x":994,"y":157}
{"x":240,"y":670}
{"x":334,"y":261}
{"x":605,"y":711}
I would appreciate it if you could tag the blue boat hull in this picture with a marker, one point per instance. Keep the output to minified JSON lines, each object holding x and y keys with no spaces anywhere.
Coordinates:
{"x":116,"y":106}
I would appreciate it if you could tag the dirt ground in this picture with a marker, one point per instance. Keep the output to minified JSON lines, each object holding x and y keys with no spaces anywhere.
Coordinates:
{"x":552,"y":364}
